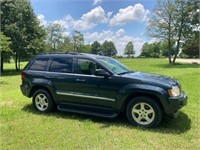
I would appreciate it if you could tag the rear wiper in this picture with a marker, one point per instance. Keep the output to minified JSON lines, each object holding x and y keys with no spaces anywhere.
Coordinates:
{"x":125,"y":72}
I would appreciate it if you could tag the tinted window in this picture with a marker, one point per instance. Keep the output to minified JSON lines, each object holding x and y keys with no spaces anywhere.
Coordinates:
{"x":114,"y":65}
{"x":39,"y":64}
{"x":86,"y":67}
{"x":61,"y":65}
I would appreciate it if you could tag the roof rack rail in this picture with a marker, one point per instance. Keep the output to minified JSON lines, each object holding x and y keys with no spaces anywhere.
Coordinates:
{"x":57,"y":53}
{"x":72,"y":53}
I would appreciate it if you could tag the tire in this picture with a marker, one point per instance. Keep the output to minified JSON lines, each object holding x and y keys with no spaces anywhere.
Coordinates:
{"x":143,"y":112}
{"x":43,"y":101}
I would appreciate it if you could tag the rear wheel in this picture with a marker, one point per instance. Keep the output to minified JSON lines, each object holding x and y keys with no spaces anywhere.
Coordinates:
{"x":43,"y":101}
{"x":144,"y":112}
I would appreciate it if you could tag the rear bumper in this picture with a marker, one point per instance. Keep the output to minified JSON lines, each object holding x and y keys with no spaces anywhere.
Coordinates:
{"x":25,"y":89}
{"x":176,"y":103}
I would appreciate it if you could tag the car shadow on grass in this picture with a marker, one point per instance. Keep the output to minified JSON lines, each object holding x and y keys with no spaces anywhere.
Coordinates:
{"x":168,"y":125}
{"x":3,"y":82}
{"x":11,"y":72}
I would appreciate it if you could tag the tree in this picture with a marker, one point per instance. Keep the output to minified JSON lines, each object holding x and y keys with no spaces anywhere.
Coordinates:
{"x":4,"y":49}
{"x":129,"y":49}
{"x":77,"y":40}
{"x":96,"y":48}
{"x":108,"y":49}
{"x":151,"y":50}
{"x":85,"y":48}
{"x":191,"y":47}
{"x":164,"y":48}
{"x":66,"y":45}
{"x":55,"y":35}
{"x":161,"y":23}
{"x":181,"y":14}
{"x":145,"y":50}
{"x":19,"y":23}
{"x":155,"y":50}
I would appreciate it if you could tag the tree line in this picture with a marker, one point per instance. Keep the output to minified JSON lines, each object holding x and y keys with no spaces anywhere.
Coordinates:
{"x":56,"y":41}
{"x":22,"y":36}
{"x":189,"y":49}
{"x":174,"y":23}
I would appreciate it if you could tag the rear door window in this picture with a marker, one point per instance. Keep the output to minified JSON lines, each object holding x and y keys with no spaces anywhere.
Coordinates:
{"x":39,"y":64}
{"x":63,"y":65}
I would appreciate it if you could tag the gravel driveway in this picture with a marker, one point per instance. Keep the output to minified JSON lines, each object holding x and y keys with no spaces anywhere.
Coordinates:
{"x":193,"y":61}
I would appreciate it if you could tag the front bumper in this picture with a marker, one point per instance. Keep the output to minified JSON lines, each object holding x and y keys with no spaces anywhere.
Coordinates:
{"x":176,"y":103}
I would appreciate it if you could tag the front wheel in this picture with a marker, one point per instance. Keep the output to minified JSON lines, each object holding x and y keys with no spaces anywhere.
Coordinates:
{"x":42,"y":101}
{"x":144,"y":112}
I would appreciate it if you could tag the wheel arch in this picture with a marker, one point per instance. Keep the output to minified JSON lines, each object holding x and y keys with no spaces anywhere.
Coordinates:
{"x":140,"y":94}
{"x":37,"y":87}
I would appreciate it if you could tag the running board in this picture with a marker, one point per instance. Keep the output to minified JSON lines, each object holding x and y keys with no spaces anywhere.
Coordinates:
{"x":87,"y":112}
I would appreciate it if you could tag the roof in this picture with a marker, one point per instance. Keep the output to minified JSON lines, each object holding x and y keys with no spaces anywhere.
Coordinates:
{"x":71,"y":54}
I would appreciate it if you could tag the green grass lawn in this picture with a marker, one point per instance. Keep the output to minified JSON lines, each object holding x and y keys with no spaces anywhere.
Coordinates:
{"x":21,"y":127}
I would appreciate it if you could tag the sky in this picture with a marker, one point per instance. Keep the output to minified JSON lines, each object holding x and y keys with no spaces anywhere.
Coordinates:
{"x":119,"y":21}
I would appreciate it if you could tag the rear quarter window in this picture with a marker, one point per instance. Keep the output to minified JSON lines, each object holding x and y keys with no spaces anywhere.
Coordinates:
{"x":39,"y":64}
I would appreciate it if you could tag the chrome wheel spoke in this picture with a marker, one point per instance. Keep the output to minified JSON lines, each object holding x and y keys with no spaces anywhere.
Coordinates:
{"x":150,"y":111}
{"x":142,"y":106}
{"x":148,"y":119}
{"x":39,"y":97}
{"x":37,"y":102}
{"x":44,"y":98}
{"x":41,"y":106}
{"x":45,"y":103}
{"x":139,"y":118}
{"x":136,"y":111}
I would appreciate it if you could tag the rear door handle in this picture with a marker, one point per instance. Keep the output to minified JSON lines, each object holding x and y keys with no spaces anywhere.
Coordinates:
{"x":80,"y":80}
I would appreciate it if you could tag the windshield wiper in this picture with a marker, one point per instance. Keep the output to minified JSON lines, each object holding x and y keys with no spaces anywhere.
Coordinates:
{"x":125,"y":72}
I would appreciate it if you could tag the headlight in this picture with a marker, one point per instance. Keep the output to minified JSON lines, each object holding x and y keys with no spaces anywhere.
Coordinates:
{"x":175,"y":91}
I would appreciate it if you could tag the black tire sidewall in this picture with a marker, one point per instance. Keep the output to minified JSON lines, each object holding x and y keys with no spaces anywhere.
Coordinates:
{"x":152,"y":103}
{"x":50,"y":101}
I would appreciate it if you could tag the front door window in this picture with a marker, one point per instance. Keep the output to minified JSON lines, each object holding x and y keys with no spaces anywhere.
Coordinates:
{"x":86,"y":67}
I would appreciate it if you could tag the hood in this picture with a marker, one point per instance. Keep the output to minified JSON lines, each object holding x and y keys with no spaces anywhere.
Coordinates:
{"x":152,"y":78}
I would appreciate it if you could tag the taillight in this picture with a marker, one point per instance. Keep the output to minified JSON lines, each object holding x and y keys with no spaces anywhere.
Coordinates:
{"x":23,"y":76}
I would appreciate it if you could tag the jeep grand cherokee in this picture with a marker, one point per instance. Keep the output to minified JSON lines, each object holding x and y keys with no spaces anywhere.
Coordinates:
{"x":100,"y":86}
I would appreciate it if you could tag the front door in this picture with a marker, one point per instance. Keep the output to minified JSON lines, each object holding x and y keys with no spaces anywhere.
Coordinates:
{"x":92,"y":89}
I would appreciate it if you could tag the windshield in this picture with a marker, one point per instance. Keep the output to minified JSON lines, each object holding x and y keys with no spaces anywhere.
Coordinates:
{"x":114,"y":65}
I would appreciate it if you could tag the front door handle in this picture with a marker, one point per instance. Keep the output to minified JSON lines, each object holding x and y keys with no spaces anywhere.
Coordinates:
{"x":80,"y":80}
{"x":49,"y":76}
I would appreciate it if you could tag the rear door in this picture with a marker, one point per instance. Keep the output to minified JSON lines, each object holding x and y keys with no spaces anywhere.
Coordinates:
{"x":61,"y":76}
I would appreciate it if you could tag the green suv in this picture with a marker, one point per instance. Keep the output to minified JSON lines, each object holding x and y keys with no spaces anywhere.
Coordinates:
{"x":101,"y":86}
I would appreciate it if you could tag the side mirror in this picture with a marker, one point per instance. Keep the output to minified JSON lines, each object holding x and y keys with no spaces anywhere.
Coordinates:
{"x":101,"y":72}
